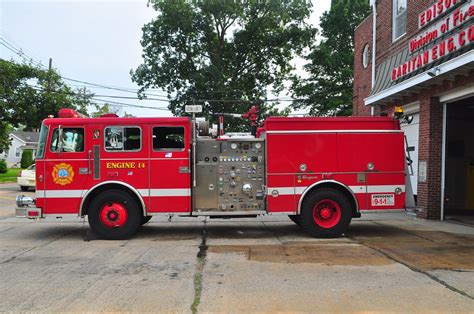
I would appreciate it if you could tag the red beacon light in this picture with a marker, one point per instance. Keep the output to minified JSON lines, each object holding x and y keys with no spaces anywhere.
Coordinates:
{"x":109,"y":115}
{"x":69,"y":113}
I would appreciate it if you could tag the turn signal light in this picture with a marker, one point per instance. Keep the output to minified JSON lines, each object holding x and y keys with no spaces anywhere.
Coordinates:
{"x":398,"y":112}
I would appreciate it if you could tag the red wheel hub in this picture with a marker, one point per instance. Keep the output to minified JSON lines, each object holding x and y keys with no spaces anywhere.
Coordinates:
{"x":113,"y":215}
{"x":327,"y":213}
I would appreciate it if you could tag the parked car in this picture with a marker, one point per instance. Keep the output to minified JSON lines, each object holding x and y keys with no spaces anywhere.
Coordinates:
{"x":27,"y":178}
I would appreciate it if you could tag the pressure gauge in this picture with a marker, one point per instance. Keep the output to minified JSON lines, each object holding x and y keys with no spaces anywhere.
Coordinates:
{"x":233,"y":145}
{"x":258,"y":145}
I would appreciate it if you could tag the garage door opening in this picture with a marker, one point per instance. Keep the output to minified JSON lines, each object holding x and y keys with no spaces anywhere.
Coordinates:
{"x":459,"y":161}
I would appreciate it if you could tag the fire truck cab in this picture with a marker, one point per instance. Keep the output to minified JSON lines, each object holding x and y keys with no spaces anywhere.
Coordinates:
{"x":119,"y":172}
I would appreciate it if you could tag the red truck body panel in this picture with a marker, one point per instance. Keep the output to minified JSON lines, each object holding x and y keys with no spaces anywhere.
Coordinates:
{"x":301,"y":153}
{"x":335,"y":149}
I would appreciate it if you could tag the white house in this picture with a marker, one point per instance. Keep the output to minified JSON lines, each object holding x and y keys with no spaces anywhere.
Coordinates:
{"x":19,"y":141}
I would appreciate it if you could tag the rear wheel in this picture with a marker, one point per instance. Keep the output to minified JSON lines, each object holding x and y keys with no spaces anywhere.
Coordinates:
{"x":326,"y":213}
{"x":24,"y":188}
{"x":114,"y":215}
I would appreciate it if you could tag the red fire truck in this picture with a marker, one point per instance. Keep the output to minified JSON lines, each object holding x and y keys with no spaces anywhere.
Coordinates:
{"x":119,"y":172}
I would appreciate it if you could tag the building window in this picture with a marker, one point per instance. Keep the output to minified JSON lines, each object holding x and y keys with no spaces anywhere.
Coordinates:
{"x":399,"y":25}
{"x":366,"y":56}
{"x":18,"y":152}
{"x":6,"y":152}
{"x":168,"y":138}
{"x":118,"y":139}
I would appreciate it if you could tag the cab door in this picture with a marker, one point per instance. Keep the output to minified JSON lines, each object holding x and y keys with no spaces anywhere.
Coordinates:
{"x":66,"y":169}
{"x":170,"y":168}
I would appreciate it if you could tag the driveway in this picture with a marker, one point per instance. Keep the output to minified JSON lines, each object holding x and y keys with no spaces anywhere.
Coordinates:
{"x":386,"y":262}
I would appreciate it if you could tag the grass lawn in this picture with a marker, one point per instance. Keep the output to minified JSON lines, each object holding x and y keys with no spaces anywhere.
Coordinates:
{"x":10,"y":176}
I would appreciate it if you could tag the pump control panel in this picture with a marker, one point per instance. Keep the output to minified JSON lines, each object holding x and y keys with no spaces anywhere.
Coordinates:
{"x":230,"y":176}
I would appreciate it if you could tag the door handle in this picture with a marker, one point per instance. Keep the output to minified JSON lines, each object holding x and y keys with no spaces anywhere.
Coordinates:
{"x":88,"y":162}
{"x":184,"y":169}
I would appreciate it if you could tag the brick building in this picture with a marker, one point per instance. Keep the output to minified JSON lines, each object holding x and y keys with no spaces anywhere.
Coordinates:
{"x":422,"y":54}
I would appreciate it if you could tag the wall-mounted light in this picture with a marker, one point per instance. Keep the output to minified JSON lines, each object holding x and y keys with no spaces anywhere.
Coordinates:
{"x":434,"y":72}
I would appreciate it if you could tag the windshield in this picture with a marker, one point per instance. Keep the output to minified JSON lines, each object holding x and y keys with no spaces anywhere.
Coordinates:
{"x":42,"y":141}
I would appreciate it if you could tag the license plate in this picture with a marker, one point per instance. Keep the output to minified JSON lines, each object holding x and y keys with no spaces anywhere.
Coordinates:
{"x":383,"y":199}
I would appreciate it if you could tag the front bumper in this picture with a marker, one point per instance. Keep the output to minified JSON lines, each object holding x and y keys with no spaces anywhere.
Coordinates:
{"x":25,"y":207}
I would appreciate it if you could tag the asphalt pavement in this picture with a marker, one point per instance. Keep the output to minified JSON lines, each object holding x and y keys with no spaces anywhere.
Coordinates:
{"x":387,"y":262}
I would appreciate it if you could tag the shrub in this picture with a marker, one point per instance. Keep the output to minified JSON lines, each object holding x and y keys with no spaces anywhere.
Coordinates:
{"x":26,"y":158}
{"x":3,"y":166}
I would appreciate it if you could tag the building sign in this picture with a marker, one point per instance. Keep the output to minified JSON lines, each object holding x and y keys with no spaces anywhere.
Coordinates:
{"x":422,"y":171}
{"x":454,"y":27}
{"x":438,"y":8}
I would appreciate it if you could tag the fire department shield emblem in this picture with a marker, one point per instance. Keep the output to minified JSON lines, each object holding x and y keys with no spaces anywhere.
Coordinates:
{"x":63,"y":174}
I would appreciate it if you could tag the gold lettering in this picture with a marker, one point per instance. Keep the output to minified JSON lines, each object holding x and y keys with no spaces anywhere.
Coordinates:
{"x":123,"y":165}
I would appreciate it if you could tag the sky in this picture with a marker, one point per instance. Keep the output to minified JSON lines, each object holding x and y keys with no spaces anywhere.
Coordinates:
{"x":89,"y":40}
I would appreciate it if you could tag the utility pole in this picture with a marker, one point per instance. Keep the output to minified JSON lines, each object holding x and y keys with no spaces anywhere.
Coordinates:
{"x":50,"y":67}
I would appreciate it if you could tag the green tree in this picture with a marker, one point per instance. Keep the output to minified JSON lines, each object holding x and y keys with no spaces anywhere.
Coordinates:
{"x":26,"y":158}
{"x":5,"y":129}
{"x":104,"y":108}
{"x":82,"y":100}
{"x":29,"y":94}
{"x":328,"y":90}
{"x":3,"y":166}
{"x":222,"y":54}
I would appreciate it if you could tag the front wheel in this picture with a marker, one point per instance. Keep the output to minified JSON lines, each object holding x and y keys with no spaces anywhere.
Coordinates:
{"x":114,"y":215}
{"x":326,"y":213}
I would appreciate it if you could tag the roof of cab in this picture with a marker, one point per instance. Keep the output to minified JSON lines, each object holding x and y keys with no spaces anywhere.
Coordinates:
{"x":118,"y":121}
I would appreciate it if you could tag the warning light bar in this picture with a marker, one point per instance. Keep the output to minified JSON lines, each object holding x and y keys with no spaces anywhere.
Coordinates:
{"x":69,"y":113}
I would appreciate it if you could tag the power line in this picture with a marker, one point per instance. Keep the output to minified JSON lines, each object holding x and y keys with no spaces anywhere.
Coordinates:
{"x":122,"y":89}
{"x":20,"y":53}
{"x":136,"y":98}
{"x":97,"y":99}
{"x":24,"y":56}
{"x":129,"y":105}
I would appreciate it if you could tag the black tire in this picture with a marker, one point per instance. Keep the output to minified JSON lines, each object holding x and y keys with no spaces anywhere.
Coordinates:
{"x":128,"y":204}
{"x":24,"y":188}
{"x":145,"y":219}
{"x":333,"y":202}
{"x":296,"y":219}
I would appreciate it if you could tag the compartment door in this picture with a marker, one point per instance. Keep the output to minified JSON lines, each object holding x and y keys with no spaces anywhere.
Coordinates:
{"x":170,"y":169}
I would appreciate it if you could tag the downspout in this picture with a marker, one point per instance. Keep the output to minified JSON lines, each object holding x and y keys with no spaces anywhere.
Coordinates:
{"x":374,"y":44}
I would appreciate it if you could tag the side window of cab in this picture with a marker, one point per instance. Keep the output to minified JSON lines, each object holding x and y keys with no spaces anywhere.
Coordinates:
{"x":168,"y":138}
{"x":122,"y":139}
{"x":67,"y":140}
